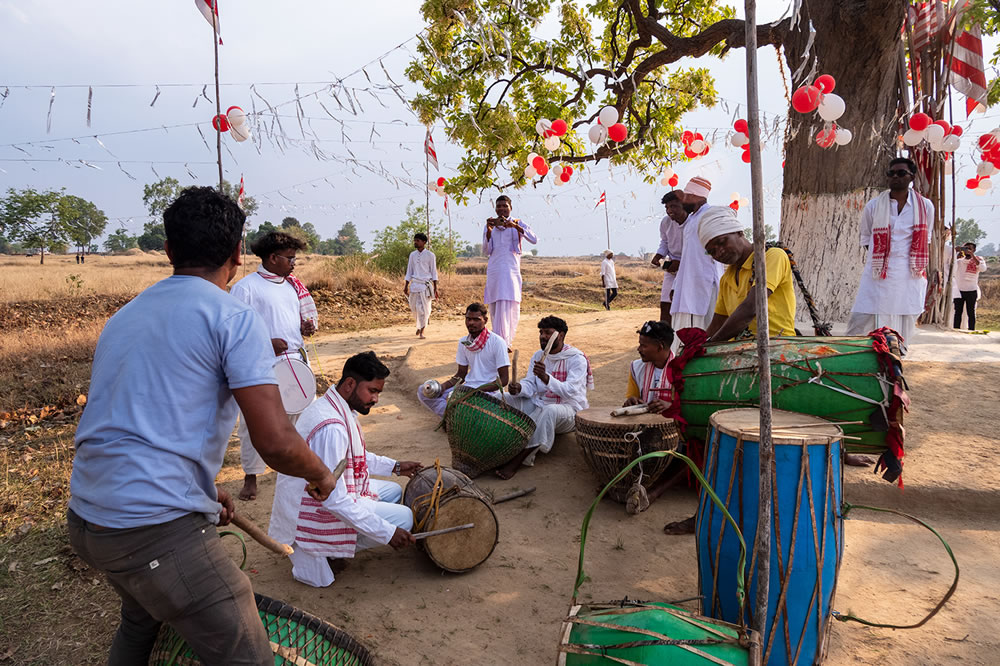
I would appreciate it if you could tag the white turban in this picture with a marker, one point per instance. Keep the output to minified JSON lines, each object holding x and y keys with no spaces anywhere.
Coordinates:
{"x":698,"y":186}
{"x":717,"y":221}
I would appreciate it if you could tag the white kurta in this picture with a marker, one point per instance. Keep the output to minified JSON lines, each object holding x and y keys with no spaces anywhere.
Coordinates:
{"x":697,"y":282}
{"x":503,"y":269}
{"x":610,"y":277}
{"x":965,"y":279}
{"x":671,"y":247}
{"x":484,"y":366}
{"x":421,"y":273}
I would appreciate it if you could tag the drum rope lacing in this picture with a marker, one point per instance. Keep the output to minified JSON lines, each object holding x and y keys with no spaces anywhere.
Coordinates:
{"x":428,"y":503}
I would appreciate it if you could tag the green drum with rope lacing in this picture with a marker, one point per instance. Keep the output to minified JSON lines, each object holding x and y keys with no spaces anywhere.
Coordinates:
{"x":839,"y":379}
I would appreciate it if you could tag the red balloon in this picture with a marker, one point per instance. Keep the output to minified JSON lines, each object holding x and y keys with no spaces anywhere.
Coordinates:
{"x":735,"y":205}
{"x":538,"y":163}
{"x":568,"y":170}
{"x":741,"y":126}
{"x":806,"y":99}
{"x":674,"y":180}
{"x":544,"y":169}
{"x":972,"y":183}
{"x":698,"y":136}
{"x":559,"y":127}
{"x":746,"y":156}
{"x":564,"y":177}
{"x":956,"y":130}
{"x":987,"y":141}
{"x":618,"y":132}
{"x":825,"y":138}
{"x":919,"y":121}
{"x":687,"y":137}
{"x":707,"y":147}
{"x":826,"y":83}
{"x":221,"y":123}
{"x":441,"y":181}
{"x":690,"y":154}
{"x":944,"y":125}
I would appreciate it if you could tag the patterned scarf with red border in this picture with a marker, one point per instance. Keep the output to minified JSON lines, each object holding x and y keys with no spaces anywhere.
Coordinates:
{"x":882,"y":235}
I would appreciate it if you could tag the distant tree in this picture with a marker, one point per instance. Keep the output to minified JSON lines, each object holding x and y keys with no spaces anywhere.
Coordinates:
{"x":968,"y":231}
{"x":327,"y":246}
{"x":152,"y":237}
{"x":120,"y":241}
{"x":4,"y":245}
{"x":83,"y":220}
{"x":157,"y":196}
{"x":988,"y":250}
{"x":312,"y":236}
{"x":32,"y":218}
{"x":393,"y":245}
{"x":534,"y":252}
{"x":252,"y":236}
{"x":769,"y":235}
{"x":471,"y":250}
{"x":347,"y":241}
{"x":290,"y":222}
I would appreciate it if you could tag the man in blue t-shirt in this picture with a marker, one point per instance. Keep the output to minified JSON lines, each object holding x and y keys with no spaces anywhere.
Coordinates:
{"x":152,"y":438}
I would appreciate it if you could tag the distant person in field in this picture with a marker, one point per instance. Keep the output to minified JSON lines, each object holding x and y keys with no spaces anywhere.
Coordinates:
{"x":697,"y":283}
{"x":144,"y":505}
{"x":965,"y":288}
{"x":671,"y":246}
{"x":895,"y":232}
{"x":609,"y":278}
{"x":502,"y":240}
{"x":421,"y":282}
{"x":289,"y":313}
{"x":552,"y":394}
{"x":481,"y":357}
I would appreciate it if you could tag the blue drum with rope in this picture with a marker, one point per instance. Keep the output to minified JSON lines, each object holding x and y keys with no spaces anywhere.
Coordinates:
{"x":807,"y":534}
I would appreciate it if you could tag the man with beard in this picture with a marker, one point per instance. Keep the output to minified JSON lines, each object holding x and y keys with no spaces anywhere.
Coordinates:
{"x":502,"y":244}
{"x":671,"y":245}
{"x":361,"y":512}
{"x":481,"y":357}
{"x":552,"y":395}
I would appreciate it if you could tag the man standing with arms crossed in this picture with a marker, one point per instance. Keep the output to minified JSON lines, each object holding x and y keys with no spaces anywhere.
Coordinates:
{"x":421,"y":271}
{"x":502,"y":244}
{"x":152,"y":438}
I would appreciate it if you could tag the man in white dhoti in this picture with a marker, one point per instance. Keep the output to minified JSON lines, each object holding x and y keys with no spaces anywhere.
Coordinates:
{"x":289,"y":312}
{"x":481,"y":357}
{"x":671,"y":246}
{"x":895,"y":232}
{"x":421,"y":281}
{"x":609,"y":278}
{"x":502,"y":244}
{"x":552,"y":394}
{"x":697,"y":283}
{"x":361,"y":512}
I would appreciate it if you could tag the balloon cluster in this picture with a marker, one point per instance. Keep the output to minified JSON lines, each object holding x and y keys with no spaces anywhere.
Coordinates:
{"x":738,"y":201}
{"x":990,"y":164}
{"x":233,"y":121}
{"x":438,"y":185}
{"x":550,"y":131}
{"x":608,"y":127}
{"x":562,"y":174}
{"x":819,"y":97}
{"x":741,"y":139}
{"x":941,"y":136}
{"x":669,"y":177}
{"x":695,"y":145}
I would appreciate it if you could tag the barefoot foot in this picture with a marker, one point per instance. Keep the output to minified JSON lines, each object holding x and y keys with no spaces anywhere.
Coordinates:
{"x":680,"y":527}
{"x":249,"y":491}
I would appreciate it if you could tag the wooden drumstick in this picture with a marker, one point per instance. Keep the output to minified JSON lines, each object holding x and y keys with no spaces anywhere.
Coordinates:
{"x":424,"y":535}
{"x":514,"y":495}
{"x":548,"y":347}
{"x":631,"y":410}
{"x":259,"y":536}
{"x":513,"y":369}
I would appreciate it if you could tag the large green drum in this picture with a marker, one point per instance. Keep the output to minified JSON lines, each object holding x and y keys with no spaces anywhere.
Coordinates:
{"x":839,"y":379}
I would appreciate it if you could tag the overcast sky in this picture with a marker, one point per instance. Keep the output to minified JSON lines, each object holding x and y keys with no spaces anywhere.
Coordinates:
{"x":125,"y":50}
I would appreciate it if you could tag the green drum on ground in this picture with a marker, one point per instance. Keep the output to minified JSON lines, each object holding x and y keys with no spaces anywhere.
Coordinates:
{"x":297,"y":638}
{"x":483,"y":431}
{"x":839,"y":379}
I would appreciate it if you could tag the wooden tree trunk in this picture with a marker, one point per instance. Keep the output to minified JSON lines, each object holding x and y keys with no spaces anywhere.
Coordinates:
{"x":825,"y":189}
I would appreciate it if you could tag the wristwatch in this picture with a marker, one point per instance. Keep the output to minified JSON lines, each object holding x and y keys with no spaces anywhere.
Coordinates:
{"x":397,"y":468}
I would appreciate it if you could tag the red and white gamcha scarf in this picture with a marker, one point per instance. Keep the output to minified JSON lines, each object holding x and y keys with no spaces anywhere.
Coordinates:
{"x":559,"y":370}
{"x":477,"y":344}
{"x":882,"y":235}
{"x":307,"y":306}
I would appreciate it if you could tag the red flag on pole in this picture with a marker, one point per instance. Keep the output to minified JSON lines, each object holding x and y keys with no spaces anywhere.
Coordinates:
{"x":602,"y":200}
{"x":968,"y":74}
{"x":239,"y":199}
{"x":207,"y":9}
{"x":432,"y":156}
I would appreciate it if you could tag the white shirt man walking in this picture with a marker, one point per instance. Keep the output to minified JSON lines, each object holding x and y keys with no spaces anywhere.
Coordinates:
{"x":895,"y":232}
{"x":609,"y":278}
{"x":421,"y":282}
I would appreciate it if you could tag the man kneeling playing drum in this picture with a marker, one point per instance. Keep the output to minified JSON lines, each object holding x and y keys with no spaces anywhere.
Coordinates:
{"x":552,"y":394}
{"x":481,"y":357}
{"x":361,"y":512}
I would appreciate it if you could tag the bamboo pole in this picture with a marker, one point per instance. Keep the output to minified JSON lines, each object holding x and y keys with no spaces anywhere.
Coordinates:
{"x":762,"y":543}
{"x":607,"y":222}
{"x":218,"y":100}
{"x":427,"y":184}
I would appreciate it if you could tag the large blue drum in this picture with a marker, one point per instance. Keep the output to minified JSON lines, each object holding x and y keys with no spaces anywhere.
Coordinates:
{"x":807,"y":535}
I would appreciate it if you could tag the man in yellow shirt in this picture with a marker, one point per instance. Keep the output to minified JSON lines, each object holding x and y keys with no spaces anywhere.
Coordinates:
{"x":722,"y":236}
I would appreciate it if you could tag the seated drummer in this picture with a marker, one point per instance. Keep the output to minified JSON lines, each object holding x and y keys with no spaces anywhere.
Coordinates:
{"x":361,"y":512}
{"x":722,"y":236}
{"x":481,"y":357}
{"x":552,"y":394}
{"x":647,"y":378}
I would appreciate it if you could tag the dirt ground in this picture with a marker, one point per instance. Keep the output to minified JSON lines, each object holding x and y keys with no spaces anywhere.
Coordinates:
{"x":509,"y":610}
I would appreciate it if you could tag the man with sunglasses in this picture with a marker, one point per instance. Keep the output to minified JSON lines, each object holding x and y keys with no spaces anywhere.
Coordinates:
{"x":895,"y":232}
{"x":289,"y":312}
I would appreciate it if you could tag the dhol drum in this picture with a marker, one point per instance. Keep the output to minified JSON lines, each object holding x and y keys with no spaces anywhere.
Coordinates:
{"x":609,"y":443}
{"x":839,"y":379}
{"x":807,"y":539}
{"x":449,"y":501}
{"x":483,"y":431}
{"x":296,"y":383}
{"x":296,"y":638}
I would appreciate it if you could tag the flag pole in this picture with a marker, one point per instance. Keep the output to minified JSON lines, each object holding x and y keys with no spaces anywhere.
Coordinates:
{"x":218,"y":101}
{"x":427,"y":184}
{"x":607,"y":222}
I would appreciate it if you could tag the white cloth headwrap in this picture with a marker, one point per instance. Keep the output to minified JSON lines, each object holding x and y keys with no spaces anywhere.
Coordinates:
{"x":717,"y":221}
{"x":698,"y":186}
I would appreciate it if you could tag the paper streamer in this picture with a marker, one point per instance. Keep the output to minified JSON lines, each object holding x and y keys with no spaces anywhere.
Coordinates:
{"x":52,"y":100}
{"x":90,"y":102}
{"x":156,"y":96}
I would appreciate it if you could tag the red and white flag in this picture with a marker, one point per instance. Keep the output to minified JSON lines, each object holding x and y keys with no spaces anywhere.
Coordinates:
{"x":239,"y":198}
{"x":968,"y":74}
{"x":446,"y":203}
{"x":602,"y":200}
{"x":927,"y":19}
{"x":207,"y":9}
{"x":432,"y":155}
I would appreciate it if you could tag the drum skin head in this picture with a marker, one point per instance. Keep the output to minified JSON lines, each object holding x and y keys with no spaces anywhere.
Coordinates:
{"x":465,"y":549}
{"x":296,"y":383}
{"x":787,"y":427}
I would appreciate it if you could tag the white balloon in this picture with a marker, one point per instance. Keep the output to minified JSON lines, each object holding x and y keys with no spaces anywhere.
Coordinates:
{"x":934,"y":134}
{"x":951,"y":143}
{"x":598,"y":134}
{"x":236,"y":117}
{"x":979,"y":192}
{"x":239,"y":132}
{"x":668,"y":172}
{"x":529,"y":172}
{"x":558,"y":182}
{"x":985,"y":184}
{"x":552,"y":143}
{"x":744,"y":202}
{"x":983,"y":169}
{"x":937,"y":146}
{"x":739,"y":140}
{"x":665,"y":181}
{"x":843,"y":136}
{"x":556,"y":170}
{"x":542,"y":126}
{"x":697,"y":146}
{"x":608,"y":115}
{"x":440,"y":190}
{"x":531,"y":157}
{"x":735,"y":196}
{"x":912,"y":137}
{"x":832,"y":107}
